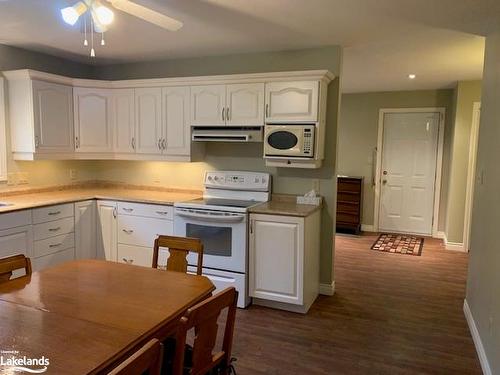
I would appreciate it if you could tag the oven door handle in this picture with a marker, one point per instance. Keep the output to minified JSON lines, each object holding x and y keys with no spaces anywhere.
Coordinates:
{"x":211,"y":217}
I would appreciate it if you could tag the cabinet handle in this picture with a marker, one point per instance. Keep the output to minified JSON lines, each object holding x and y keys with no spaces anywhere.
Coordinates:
{"x":128,"y":231}
{"x":54,"y":213}
{"x":128,"y":209}
{"x":227,"y":114}
{"x":114,"y":213}
{"x":267,"y":110}
{"x":164,"y":144}
{"x":162,"y":212}
{"x":133,"y":143}
{"x":54,"y":229}
{"x":159,"y":144}
{"x":223,"y":109}
{"x":55,"y":245}
{"x":128,"y":261}
{"x":37,"y":141}
{"x":77,"y":142}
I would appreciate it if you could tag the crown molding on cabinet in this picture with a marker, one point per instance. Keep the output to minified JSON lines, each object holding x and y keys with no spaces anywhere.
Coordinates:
{"x":306,"y":75}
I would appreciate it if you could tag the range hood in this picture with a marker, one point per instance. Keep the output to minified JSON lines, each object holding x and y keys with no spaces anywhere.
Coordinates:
{"x":227,"y":134}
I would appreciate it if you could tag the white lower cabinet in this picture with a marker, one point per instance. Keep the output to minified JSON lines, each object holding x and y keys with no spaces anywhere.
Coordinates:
{"x":284,"y":260}
{"x":53,"y":259}
{"x":15,"y":241}
{"x":85,"y":230}
{"x":107,"y":230}
{"x":135,"y":255}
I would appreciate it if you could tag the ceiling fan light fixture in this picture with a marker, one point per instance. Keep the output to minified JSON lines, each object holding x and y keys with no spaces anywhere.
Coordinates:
{"x":71,"y":14}
{"x":104,"y":15}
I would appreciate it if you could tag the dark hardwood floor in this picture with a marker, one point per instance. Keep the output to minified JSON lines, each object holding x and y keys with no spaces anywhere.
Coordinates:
{"x":391,"y":314}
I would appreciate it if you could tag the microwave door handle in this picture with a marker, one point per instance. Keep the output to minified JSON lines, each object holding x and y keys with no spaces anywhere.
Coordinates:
{"x":211,"y":218}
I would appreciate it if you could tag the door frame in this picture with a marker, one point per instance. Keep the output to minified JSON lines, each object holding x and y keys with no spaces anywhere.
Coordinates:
{"x":469,"y":194}
{"x":439,"y":161}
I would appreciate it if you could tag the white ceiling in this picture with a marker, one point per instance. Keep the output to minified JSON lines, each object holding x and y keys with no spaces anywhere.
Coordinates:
{"x":384,"y":40}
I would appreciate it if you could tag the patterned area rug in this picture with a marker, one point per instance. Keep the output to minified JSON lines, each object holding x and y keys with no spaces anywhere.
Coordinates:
{"x":399,"y":243}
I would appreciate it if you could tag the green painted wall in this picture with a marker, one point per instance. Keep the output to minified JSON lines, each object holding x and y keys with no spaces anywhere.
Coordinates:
{"x":483,"y":284}
{"x":466,"y":93}
{"x":243,"y":156}
{"x":358,"y":132}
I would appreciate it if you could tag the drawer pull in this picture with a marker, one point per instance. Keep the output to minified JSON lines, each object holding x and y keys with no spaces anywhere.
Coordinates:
{"x":55,"y":245}
{"x":128,"y":209}
{"x":162,"y":212}
{"x":128,"y":261}
{"x":54,"y":229}
{"x":54,"y":213}
{"x":128,"y":231}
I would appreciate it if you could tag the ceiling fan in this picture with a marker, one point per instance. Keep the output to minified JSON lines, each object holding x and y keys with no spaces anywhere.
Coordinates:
{"x":100,"y":16}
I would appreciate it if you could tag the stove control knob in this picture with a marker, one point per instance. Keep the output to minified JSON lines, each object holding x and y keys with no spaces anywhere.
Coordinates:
{"x":216,"y":178}
{"x":209,"y":178}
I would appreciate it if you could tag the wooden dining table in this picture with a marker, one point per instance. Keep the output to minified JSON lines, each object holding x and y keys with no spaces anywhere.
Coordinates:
{"x":87,"y":316}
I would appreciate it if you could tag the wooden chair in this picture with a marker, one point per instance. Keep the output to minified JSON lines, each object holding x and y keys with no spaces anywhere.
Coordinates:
{"x":179,"y":247}
{"x":203,"y":318}
{"x":12,"y":263}
{"x":146,"y":360}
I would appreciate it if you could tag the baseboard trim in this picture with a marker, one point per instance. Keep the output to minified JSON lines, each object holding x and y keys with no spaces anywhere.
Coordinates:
{"x":367,"y":228}
{"x":327,"y":289}
{"x":441,"y":235}
{"x":453,"y":246}
{"x":477,"y":340}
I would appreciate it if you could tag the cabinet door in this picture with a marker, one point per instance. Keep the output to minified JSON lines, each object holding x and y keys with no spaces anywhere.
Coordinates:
{"x":176,"y":128}
{"x":123,"y":120}
{"x":135,"y":255}
{"x":208,"y":105}
{"x":16,"y":241}
{"x":93,"y":120}
{"x":276,"y":267}
{"x":53,"y":117}
{"x":85,"y":230}
{"x":148,"y":120}
{"x":106,"y":230}
{"x":292,"y":101}
{"x":245,"y":104}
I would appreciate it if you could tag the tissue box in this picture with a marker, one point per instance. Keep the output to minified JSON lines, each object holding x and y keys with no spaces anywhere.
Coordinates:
{"x":316,"y":201}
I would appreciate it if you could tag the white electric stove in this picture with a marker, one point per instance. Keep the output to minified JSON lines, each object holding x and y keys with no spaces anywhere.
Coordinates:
{"x":220,"y":220}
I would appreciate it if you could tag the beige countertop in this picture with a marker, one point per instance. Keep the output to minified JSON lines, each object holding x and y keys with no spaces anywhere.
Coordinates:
{"x":285,"y":207}
{"x":21,"y":201}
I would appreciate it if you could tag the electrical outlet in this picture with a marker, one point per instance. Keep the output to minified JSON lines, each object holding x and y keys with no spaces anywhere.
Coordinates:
{"x":73,"y":174}
{"x":22,"y":178}
{"x":315,"y":185}
{"x":11,"y":179}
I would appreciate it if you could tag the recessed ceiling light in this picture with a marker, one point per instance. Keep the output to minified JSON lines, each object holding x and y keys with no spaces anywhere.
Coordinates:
{"x":412,"y":76}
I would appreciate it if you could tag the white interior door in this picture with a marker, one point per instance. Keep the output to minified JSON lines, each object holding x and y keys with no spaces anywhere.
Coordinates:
{"x":409,"y":154}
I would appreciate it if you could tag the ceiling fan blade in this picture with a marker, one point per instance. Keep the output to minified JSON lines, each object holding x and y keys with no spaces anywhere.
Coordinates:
{"x":147,"y":14}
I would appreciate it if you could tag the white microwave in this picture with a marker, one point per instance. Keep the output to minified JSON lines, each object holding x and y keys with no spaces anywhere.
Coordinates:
{"x":293,"y":140}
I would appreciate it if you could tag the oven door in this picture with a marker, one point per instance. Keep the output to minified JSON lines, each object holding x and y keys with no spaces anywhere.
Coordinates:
{"x":224,"y":237}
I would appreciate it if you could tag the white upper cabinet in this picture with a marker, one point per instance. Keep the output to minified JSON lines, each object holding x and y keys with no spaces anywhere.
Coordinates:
{"x":123,"y":121}
{"x":53,"y":117}
{"x":208,"y":105}
{"x":292,"y":101}
{"x":93,"y":120}
{"x":148,"y":131}
{"x":175,"y":115}
{"x":245,"y":104}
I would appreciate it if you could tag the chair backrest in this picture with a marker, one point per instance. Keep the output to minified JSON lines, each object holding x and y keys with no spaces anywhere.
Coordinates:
{"x":145,"y":360}
{"x":179,"y":248}
{"x":13,"y":263}
{"x":203,"y":318}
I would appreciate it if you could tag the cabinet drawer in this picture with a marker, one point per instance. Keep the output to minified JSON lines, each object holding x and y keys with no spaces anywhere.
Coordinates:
{"x":135,"y":255}
{"x":53,"y":228}
{"x":51,"y":213}
{"x":15,"y":219}
{"x":347,"y":218}
{"x":348,"y":207}
{"x":147,"y":210}
{"x":53,"y":259}
{"x":142,"y":231}
{"x":346,"y":197}
{"x":54,"y":244}
{"x":349,"y":185}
